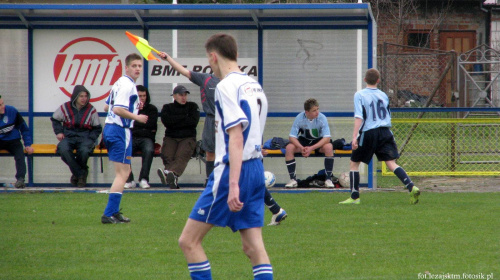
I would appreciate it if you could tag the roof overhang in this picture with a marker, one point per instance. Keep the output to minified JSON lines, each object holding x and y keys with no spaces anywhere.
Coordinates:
{"x":167,"y":16}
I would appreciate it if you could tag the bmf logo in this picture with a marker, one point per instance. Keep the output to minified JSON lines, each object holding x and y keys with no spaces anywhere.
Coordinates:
{"x":87,"y":61}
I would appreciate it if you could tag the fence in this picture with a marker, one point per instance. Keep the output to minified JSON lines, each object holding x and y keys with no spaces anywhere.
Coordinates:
{"x":438,"y":143}
{"x":413,"y":75}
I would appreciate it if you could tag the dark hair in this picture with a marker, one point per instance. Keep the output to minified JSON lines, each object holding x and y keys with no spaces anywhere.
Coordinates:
{"x":223,"y":44}
{"x":131,"y":57}
{"x":311,"y":102}
{"x":372,"y":76}
{"x":142,"y":88}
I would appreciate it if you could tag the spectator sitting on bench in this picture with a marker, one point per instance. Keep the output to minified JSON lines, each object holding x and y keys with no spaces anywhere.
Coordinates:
{"x":77,"y":127}
{"x":310,"y":132}
{"x":12,"y":127}
{"x":180,"y":119}
{"x":143,"y":138}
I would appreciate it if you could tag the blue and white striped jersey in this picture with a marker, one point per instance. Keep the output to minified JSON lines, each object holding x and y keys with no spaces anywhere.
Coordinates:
{"x":239,"y":100}
{"x":124,"y":95}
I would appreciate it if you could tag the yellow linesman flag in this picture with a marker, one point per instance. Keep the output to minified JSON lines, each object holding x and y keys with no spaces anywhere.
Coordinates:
{"x":142,"y":46}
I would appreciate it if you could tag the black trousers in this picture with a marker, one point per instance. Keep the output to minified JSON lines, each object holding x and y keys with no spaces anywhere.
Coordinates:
{"x":15,"y":147}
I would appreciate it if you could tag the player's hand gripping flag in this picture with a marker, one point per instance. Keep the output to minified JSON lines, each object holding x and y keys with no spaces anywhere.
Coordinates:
{"x":142,"y":46}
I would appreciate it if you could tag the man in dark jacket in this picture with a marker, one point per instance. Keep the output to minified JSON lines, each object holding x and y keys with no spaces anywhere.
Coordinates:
{"x":12,"y":127}
{"x":143,"y":138}
{"x":77,"y":127}
{"x":180,"y":119}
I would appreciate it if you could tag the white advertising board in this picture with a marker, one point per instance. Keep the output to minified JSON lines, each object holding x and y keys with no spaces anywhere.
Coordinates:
{"x":162,"y":72}
{"x":96,"y":59}
{"x":65,"y":58}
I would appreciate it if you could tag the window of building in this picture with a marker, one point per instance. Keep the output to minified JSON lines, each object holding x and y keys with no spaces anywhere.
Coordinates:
{"x":419,"y":39}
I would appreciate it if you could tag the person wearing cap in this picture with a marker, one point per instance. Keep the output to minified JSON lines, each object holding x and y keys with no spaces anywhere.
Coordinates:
{"x":180,"y":119}
{"x":77,"y":126}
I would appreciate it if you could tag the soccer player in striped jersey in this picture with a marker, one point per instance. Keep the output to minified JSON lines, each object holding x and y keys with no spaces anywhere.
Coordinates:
{"x":122,"y":107}
{"x":235,"y":190}
{"x":372,"y":135}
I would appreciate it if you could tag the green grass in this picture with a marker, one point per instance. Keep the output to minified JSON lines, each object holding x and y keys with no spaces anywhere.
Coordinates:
{"x":59,"y":236}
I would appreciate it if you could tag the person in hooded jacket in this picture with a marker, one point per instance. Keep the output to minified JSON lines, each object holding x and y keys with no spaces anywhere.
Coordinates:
{"x":143,"y":138}
{"x":77,"y":127}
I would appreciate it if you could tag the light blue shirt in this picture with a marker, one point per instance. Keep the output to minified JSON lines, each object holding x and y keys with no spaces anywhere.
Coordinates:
{"x":372,"y":106}
{"x":310,"y":129}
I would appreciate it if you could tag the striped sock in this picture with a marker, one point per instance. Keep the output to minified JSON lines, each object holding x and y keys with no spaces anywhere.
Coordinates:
{"x":113,"y":205}
{"x":290,"y":165}
{"x":354,"y":181}
{"x":328,"y":167}
{"x":263,"y":272}
{"x":403,"y":177}
{"x":200,"y":271}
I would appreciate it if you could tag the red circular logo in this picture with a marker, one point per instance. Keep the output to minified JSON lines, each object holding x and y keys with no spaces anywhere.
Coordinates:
{"x":90,"y":62}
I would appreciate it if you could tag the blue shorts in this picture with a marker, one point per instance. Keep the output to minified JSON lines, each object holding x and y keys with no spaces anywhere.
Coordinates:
{"x":118,"y":141}
{"x":212,"y":208}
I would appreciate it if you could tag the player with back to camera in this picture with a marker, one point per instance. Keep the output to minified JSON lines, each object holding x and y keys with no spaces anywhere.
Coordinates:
{"x":123,"y":106}
{"x":235,"y":189}
{"x":372,"y":135}
{"x":207,"y":83}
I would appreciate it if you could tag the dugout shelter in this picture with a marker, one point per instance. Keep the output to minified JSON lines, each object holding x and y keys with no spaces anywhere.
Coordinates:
{"x":296,"y":51}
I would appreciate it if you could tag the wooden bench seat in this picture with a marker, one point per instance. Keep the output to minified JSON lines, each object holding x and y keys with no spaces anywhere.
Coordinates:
{"x":50,"y":150}
{"x":336,"y":153}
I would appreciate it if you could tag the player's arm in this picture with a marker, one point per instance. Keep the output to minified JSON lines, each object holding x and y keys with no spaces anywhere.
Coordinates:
{"x":177,"y":66}
{"x":357,"y":125}
{"x":235,"y":161}
{"x":124,"y":113}
{"x":295,"y":142}
{"x":320,"y":143}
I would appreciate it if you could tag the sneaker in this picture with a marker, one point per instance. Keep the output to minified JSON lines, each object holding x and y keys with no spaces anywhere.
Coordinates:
{"x":144,"y":184}
{"x":81,"y":182}
{"x":20,"y":184}
{"x":329,"y":184}
{"x":414,"y":194}
{"x":74,"y":180}
{"x":291,"y":184}
{"x":278,"y":218}
{"x":109,"y":220}
{"x":130,"y":185}
{"x":163,"y":175}
{"x":172,"y":180}
{"x":117,"y":218}
{"x":351,"y":201}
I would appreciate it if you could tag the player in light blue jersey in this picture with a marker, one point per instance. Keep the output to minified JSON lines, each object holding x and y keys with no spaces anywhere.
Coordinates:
{"x":372,"y":135}
{"x":235,"y":189}
{"x":122,"y":106}
{"x":309,"y":132}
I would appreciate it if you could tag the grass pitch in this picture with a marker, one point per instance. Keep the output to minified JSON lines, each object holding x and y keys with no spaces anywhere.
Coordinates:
{"x":59,"y":236}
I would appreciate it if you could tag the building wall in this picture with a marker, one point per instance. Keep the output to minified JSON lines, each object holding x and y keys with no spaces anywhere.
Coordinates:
{"x":420,"y":73}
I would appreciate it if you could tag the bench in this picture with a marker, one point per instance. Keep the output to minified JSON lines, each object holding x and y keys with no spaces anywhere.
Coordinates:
{"x":336,"y":153}
{"x":50,"y":150}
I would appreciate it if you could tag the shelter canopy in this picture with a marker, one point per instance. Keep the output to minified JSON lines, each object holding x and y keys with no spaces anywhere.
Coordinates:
{"x":165,"y":16}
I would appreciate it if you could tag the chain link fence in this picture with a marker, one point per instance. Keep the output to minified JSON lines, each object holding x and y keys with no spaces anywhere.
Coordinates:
{"x":447,"y":146}
{"x":417,"y":77}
